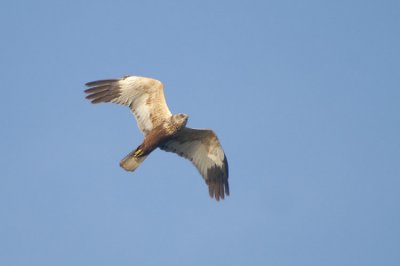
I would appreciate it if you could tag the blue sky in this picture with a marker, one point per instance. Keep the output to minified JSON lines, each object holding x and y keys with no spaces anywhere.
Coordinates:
{"x":304,"y":96}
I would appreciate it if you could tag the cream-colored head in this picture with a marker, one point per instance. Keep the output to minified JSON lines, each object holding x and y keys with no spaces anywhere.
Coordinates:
{"x":180,"y":120}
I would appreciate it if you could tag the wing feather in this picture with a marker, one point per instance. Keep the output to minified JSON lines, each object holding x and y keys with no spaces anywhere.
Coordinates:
{"x":203,"y":149}
{"x":144,"y":96}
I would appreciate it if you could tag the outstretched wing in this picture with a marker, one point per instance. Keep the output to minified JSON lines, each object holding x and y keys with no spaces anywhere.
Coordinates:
{"x":202,"y":148}
{"x":145,"y":97}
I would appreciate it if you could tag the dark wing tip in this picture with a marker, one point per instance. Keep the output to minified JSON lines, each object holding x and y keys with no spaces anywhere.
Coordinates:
{"x":226,"y":188}
{"x":218,"y":189}
{"x":100,"y":82}
{"x":227,"y":175}
{"x":217,"y":181}
{"x":103,"y":91}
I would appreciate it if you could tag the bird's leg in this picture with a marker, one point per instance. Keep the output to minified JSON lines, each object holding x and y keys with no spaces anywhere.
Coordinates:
{"x":138,"y":152}
{"x":147,"y":146}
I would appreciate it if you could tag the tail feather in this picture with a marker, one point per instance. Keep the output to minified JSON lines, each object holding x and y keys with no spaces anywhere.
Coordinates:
{"x":130,"y":162}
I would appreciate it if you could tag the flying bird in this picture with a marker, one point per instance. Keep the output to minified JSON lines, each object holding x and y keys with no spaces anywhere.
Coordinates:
{"x":161,"y":129}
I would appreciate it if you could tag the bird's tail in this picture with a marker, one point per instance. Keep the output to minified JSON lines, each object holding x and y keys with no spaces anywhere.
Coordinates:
{"x":132,"y":161}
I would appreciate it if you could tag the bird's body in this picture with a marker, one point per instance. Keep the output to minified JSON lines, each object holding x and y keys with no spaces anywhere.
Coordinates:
{"x":155,"y":138}
{"x":161,"y":129}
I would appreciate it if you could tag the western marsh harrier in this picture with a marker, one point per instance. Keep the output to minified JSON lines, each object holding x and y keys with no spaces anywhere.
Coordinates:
{"x":161,"y":129}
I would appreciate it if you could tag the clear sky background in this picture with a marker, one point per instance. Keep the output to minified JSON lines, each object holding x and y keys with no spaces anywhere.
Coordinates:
{"x":304,"y":96}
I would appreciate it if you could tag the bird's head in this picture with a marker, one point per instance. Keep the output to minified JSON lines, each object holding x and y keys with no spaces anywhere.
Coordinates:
{"x":180,"y":120}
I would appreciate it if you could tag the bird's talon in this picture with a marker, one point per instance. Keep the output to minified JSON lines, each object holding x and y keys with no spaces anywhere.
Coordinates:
{"x":138,"y":152}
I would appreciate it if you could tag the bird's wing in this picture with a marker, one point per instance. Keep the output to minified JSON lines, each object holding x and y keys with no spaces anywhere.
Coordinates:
{"x":144,"y":96}
{"x":203,"y":149}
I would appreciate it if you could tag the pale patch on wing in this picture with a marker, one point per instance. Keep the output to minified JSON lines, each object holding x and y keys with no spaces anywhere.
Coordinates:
{"x":216,"y":155}
{"x":145,"y":97}
{"x":202,"y":148}
{"x":141,"y":112}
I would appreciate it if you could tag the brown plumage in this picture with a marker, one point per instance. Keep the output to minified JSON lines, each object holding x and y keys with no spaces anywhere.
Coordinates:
{"x":161,"y":129}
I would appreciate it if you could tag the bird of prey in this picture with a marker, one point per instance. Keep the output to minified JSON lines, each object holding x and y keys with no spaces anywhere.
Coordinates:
{"x":161,"y":129}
